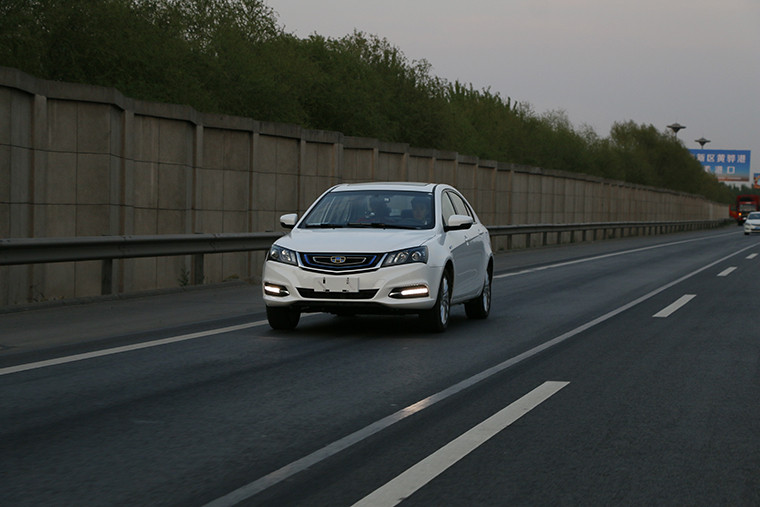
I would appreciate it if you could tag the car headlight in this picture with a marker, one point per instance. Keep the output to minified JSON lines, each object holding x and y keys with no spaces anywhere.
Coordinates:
{"x":280,"y":254}
{"x":417,"y":254}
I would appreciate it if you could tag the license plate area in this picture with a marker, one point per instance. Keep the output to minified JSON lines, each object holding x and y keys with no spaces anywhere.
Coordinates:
{"x":336,"y":284}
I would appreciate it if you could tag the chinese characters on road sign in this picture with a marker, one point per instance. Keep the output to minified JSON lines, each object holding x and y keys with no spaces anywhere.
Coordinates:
{"x":727,"y":165}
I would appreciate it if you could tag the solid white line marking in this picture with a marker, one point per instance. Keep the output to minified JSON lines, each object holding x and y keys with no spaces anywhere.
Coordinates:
{"x":752,"y":256}
{"x":404,"y":485}
{"x":596,"y":258}
{"x":727,"y":271}
{"x":671,"y":308}
{"x":245,"y":492}
{"x":127,"y":348}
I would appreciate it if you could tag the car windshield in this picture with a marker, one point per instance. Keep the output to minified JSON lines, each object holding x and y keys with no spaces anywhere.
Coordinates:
{"x":372,"y":208}
{"x":753,"y":216}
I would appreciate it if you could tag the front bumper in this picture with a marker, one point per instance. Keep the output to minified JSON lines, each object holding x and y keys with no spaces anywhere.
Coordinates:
{"x":377,"y":291}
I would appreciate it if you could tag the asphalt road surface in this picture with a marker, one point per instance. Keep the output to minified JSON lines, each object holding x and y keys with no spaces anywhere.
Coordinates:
{"x":624,"y":372}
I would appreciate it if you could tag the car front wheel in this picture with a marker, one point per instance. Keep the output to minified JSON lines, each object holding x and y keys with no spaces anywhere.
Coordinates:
{"x":282,"y":317}
{"x":437,"y":318}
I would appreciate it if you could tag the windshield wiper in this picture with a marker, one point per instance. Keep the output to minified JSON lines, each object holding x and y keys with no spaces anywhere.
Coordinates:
{"x":379,"y":225}
{"x":325,"y":226}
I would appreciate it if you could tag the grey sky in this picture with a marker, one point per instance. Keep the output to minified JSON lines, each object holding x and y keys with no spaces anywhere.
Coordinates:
{"x":696,"y":62}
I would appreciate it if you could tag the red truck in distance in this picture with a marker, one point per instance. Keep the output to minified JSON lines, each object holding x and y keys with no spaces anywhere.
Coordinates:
{"x":745,"y":204}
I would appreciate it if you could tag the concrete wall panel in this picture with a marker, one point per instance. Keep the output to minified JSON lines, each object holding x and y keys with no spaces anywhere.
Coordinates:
{"x":172,"y":186}
{"x":62,"y":126}
{"x":93,"y":179}
{"x":93,"y":220}
{"x":5,"y":191}
{"x":61,"y":181}
{"x":146,"y":138}
{"x":236,"y":188}
{"x":209,"y":221}
{"x":359,"y":164}
{"x":6,"y":121}
{"x":286,"y":191}
{"x":214,"y":145}
{"x":175,"y":142}
{"x":145,"y":185}
{"x":61,"y":220}
{"x":169,"y":272}
{"x":21,"y":115}
{"x":210,"y":189}
{"x":87,"y":282}
{"x":445,"y":169}
{"x":93,"y":128}
{"x":145,"y":221}
{"x":57,"y":282}
{"x":420,"y":168}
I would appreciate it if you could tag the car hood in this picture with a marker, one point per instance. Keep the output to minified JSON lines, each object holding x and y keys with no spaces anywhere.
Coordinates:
{"x":353,"y":240}
{"x":752,"y":222}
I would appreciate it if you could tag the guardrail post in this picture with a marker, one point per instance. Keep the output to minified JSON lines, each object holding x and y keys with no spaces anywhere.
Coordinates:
{"x":106,"y":277}
{"x":198,"y":269}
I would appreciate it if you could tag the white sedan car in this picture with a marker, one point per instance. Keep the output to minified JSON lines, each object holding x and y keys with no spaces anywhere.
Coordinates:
{"x":752,"y":223}
{"x":381,"y":248}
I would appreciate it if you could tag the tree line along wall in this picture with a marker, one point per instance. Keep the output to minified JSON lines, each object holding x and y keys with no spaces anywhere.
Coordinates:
{"x":80,"y":160}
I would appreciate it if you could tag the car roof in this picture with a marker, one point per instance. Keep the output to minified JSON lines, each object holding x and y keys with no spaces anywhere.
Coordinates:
{"x":386,"y":185}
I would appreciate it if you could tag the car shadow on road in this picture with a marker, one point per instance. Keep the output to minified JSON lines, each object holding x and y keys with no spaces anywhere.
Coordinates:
{"x":373,"y":326}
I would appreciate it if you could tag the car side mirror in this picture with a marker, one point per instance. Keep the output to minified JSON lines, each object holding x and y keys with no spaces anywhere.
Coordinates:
{"x":289,"y":221}
{"x":458,"y":223}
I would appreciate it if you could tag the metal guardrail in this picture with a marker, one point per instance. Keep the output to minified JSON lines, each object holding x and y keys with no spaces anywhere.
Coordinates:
{"x":606,"y":229}
{"x":107,"y":248}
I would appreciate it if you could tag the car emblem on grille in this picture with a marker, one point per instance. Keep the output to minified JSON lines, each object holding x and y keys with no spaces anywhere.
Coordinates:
{"x":338,"y":259}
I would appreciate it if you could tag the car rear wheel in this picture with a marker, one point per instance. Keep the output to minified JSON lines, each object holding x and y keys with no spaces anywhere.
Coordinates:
{"x":437,"y":318}
{"x":480,"y":307}
{"x":283,"y":317}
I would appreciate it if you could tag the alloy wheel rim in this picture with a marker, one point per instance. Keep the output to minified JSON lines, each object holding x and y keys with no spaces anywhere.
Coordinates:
{"x":487,"y":295}
{"x":445,"y":303}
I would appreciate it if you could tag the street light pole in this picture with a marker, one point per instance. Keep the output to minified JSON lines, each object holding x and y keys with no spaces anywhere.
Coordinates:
{"x":676,"y":127}
{"x":702,"y":142}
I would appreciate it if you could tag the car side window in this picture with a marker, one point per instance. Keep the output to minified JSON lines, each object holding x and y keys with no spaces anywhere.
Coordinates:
{"x":459,"y":205}
{"x":447,"y":208}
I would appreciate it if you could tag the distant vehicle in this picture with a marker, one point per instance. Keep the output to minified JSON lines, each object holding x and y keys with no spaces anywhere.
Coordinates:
{"x":746,"y":204}
{"x":752,"y":223}
{"x":381,"y":248}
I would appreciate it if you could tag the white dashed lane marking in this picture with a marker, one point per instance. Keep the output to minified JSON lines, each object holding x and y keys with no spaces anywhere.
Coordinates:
{"x":671,"y":308}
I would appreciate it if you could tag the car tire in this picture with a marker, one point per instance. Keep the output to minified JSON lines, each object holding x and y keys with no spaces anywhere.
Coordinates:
{"x":283,"y":317}
{"x":437,"y":318}
{"x":480,"y":307}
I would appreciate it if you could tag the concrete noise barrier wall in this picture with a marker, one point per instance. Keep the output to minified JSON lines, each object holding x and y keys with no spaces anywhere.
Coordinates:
{"x":80,"y":160}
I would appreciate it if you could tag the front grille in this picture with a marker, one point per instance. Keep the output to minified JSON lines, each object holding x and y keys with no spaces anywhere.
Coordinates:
{"x":339,"y":262}
{"x":312,"y":294}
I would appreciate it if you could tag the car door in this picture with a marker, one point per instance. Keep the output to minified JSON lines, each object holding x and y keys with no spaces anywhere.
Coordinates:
{"x":465,"y":250}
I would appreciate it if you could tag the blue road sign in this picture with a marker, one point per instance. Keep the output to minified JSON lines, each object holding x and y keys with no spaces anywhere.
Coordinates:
{"x":726,"y":165}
